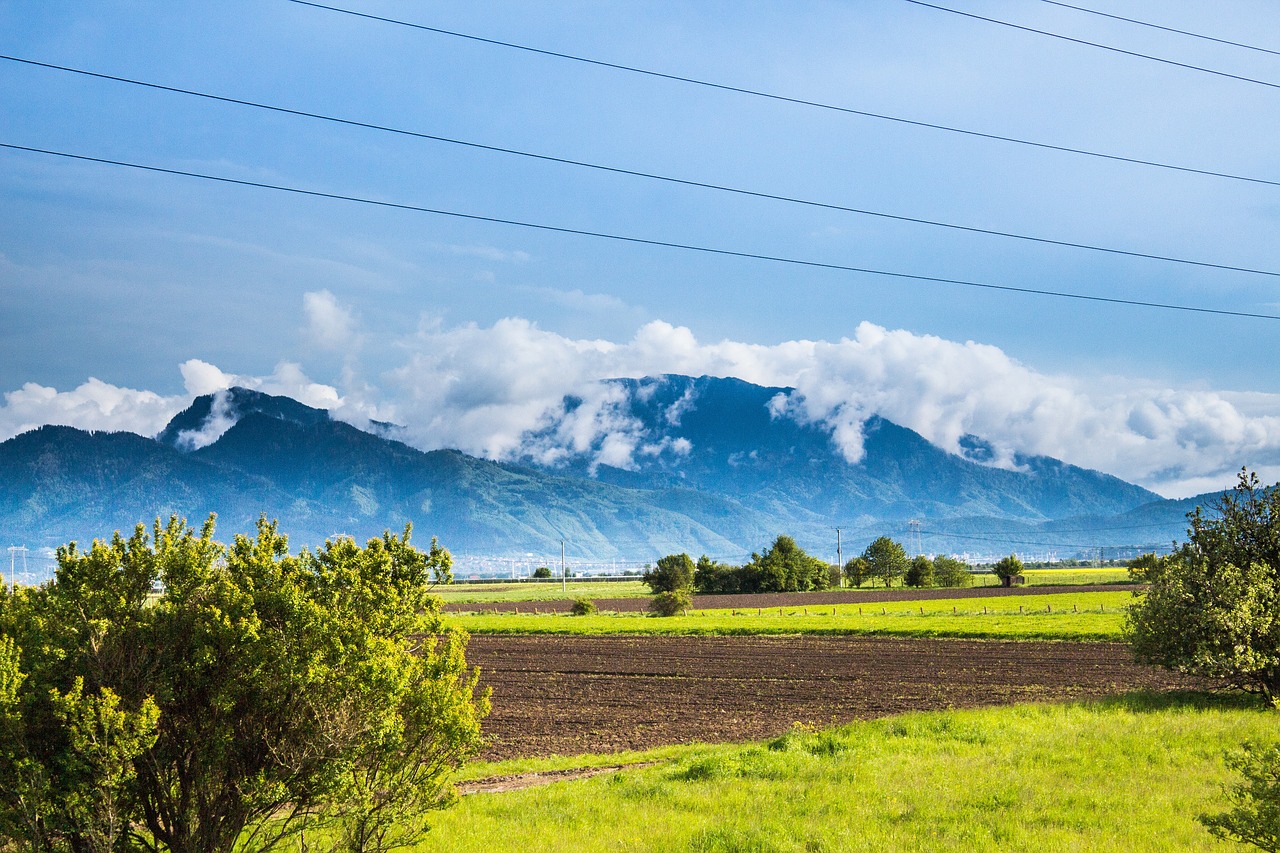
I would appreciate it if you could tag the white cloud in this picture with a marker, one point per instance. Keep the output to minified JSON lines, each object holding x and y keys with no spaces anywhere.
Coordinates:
{"x":330,"y":325}
{"x":487,"y":390}
{"x":221,"y":418}
{"x":500,"y":392}
{"x":94,"y":405}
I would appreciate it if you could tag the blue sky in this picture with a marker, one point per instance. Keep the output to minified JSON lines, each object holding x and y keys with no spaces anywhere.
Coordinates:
{"x":157,"y":287}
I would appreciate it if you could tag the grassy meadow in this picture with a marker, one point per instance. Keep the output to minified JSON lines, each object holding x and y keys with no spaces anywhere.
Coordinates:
{"x":1052,"y":616}
{"x":1124,"y":774}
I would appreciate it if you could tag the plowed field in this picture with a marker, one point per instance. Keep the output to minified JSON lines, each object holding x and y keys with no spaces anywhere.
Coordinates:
{"x":566,"y":695}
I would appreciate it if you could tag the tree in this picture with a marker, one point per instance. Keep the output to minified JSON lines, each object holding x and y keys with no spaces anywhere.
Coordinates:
{"x":857,"y":571}
{"x":673,"y":572}
{"x":1254,"y":816}
{"x":1213,"y":606}
{"x":950,"y":572}
{"x":886,"y":560}
{"x":542,"y":572}
{"x":710,"y":576}
{"x":1007,"y":569}
{"x":784,"y":567}
{"x":262,"y":692}
{"x":919,"y":572}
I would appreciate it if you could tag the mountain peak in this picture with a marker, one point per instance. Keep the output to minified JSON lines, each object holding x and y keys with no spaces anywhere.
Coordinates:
{"x":211,"y":415}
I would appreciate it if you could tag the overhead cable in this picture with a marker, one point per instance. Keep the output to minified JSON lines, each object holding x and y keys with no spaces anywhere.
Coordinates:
{"x":1202,"y":36}
{"x":1098,"y":45}
{"x":742,"y":90}
{"x":642,"y":241}
{"x":996,"y":538}
{"x":915,"y":220}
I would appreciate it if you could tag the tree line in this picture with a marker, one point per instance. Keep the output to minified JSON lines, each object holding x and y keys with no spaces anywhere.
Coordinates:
{"x":785,"y":567}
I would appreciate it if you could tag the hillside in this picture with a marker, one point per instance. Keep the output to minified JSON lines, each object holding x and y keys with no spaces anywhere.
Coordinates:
{"x":739,"y":475}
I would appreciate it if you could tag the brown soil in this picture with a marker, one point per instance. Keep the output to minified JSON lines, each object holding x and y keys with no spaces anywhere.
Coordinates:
{"x":782,"y":599}
{"x":568,"y":695}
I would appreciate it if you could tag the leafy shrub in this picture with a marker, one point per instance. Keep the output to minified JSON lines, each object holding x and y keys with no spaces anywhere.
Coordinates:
{"x":1254,"y":817}
{"x":583,"y":607}
{"x":670,"y":603}
{"x":542,"y":572}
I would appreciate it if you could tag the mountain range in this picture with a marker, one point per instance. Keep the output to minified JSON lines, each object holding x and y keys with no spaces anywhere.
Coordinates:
{"x":716,"y":466}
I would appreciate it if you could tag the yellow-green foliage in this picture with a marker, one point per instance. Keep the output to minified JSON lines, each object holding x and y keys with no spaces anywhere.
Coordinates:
{"x":1063,"y":616}
{"x":1128,"y":774}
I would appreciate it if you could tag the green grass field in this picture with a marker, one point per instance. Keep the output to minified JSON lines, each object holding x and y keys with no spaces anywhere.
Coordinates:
{"x":1060,"y":616}
{"x":1127,"y":774}
{"x":465,"y":593}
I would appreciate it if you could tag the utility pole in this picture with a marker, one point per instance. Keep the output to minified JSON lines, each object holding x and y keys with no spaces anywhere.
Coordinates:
{"x":839,"y":556}
{"x":564,"y":575}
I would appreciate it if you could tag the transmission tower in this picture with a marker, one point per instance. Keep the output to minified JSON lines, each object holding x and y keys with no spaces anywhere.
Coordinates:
{"x":14,"y":550}
{"x":914,"y":524}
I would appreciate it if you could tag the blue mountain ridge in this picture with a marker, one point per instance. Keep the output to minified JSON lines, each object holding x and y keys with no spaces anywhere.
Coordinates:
{"x":745,"y":477}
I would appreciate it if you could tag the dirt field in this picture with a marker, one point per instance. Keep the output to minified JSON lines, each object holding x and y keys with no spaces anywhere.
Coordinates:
{"x":783,"y":599}
{"x":566,"y":695}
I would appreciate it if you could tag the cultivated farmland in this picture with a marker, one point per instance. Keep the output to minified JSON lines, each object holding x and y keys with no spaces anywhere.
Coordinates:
{"x":573,"y":694}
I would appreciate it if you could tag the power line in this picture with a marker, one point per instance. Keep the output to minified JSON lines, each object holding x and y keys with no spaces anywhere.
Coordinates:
{"x":915,"y":220}
{"x":742,"y":90}
{"x":1098,"y":45}
{"x":1102,"y":14}
{"x":642,"y":241}
{"x":1011,"y":541}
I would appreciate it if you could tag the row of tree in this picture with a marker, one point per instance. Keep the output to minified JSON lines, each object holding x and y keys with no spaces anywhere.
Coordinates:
{"x":785,"y":567}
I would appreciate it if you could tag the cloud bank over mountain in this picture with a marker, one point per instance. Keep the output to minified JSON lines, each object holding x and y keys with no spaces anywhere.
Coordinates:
{"x":513,"y":390}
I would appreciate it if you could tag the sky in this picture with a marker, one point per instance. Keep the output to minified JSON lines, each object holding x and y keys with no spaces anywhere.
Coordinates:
{"x":124,"y":293}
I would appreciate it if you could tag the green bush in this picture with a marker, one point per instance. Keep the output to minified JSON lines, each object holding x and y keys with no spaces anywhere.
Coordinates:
{"x":583,"y":607}
{"x":670,"y":603}
{"x":1254,"y":817}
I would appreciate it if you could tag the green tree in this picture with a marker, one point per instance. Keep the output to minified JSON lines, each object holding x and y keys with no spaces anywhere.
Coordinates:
{"x":950,"y":572}
{"x":1007,"y":569}
{"x":710,"y":576}
{"x":1254,"y":813}
{"x":919,"y":572}
{"x":886,"y":560}
{"x":857,"y":571}
{"x":542,"y":572}
{"x":1213,"y":606}
{"x":673,"y":572}
{"x":261,"y":692}
{"x":784,"y":567}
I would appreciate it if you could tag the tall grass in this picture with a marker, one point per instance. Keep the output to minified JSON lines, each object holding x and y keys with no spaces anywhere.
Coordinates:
{"x":1127,"y":774}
